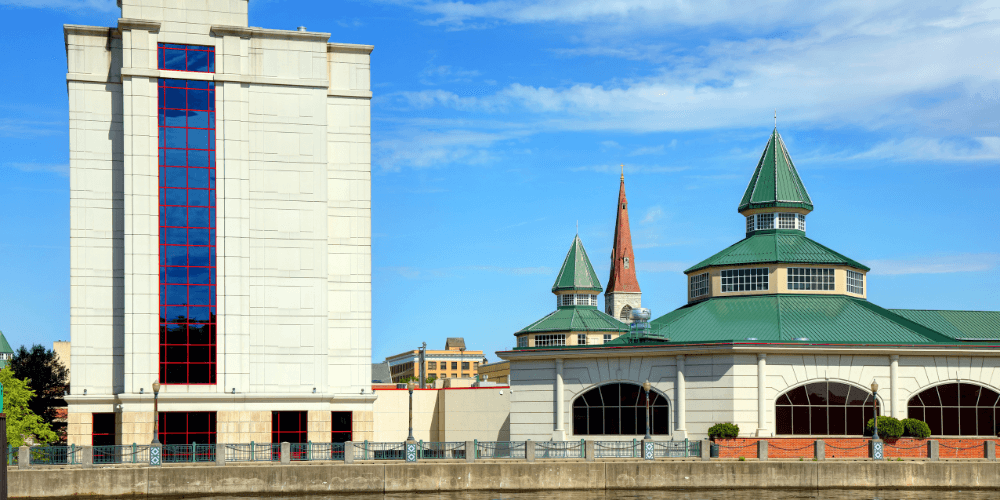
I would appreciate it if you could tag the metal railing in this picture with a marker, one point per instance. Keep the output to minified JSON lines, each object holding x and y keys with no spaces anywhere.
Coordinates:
{"x":366,"y":450}
{"x":306,"y":452}
{"x":11,"y":455}
{"x":442,"y":450}
{"x":54,"y":455}
{"x":617,"y":449}
{"x":253,"y":452}
{"x":121,"y":454}
{"x":560,"y":449}
{"x":180,"y":453}
{"x":501,"y":449}
{"x":676,"y":449}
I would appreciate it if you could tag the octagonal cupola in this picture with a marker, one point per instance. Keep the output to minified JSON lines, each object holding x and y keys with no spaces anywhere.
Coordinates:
{"x":577,"y":283}
{"x":776,"y":198}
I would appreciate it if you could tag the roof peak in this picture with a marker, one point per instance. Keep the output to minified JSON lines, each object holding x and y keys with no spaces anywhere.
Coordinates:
{"x":576,"y":272}
{"x":775,"y":182}
{"x":623,"y":278}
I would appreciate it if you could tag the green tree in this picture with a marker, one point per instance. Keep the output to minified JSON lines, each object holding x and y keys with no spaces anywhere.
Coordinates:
{"x":46,"y":376}
{"x":21,"y":421}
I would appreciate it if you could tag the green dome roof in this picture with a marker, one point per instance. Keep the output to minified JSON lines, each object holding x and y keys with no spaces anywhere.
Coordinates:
{"x":775,"y":182}
{"x":779,"y":246}
{"x":576,"y":319}
{"x":576,"y":272}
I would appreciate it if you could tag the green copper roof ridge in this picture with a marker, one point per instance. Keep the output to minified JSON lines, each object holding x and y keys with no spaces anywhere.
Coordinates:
{"x":788,"y":177}
{"x":779,"y":256}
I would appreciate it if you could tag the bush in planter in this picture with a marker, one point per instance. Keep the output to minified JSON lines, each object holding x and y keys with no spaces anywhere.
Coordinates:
{"x":724,"y":431}
{"x":916,"y":428}
{"x":888,"y":427}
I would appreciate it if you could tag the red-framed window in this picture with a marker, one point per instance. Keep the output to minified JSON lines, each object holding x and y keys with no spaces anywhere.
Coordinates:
{"x":177,"y":57}
{"x":103,"y":431}
{"x":289,"y":426}
{"x":187,"y":223}
{"x":186,"y":427}
{"x":341,"y":427}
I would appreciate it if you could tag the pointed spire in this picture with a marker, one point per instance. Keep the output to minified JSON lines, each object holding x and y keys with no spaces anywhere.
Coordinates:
{"x":775,"y":182}
{"x":623,"y":277}
{"x":576,"y":273}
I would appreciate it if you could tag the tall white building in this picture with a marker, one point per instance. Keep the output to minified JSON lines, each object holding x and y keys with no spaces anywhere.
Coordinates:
{"x":220,"y":229}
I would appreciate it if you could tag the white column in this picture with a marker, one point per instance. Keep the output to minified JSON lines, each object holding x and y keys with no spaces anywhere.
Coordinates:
{"x":680,"y":399}
{"x":893,"y":383}
{"x":761,"y":396}
{"x":560,"y":432}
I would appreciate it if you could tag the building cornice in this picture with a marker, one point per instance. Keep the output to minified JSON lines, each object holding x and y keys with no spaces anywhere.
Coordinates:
{"x":188,"y":397}
{"x":138,"y":24}
{"x":349,"y":48}
{"x":79,"y":29}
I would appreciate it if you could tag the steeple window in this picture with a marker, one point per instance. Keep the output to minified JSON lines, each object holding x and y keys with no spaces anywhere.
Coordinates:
{"x":745,"y":280}
{"x":699,"y":285}
{"x":810,"y":278}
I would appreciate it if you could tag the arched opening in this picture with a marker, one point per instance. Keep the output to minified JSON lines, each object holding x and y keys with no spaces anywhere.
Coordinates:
{"x":957,"y":409}
{"x":619,"y":409}
{"x":626,"y":313}
{"x":824,"y":408}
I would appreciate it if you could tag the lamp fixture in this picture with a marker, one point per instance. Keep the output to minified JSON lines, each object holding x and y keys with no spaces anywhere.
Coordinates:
{"x":142,"y":390}
{"x":234,"y":391}
{"x":874,"y":386}
{"x":314,"y":390}
{"x":85,"y":392}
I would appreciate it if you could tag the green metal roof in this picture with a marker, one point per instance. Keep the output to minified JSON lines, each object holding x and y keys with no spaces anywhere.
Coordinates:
{"x":4,"y":346}
{"x":576,"y":272}
{"x":776,"y":245}
{"x":959,"y":325}
{"x":775,"y":182}
{"x":576,"y":319}
{"x":823,"y":319}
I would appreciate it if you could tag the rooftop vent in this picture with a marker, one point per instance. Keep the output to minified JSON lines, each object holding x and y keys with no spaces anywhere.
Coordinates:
{"x":301,"y":28}
{"x":801,"y":339}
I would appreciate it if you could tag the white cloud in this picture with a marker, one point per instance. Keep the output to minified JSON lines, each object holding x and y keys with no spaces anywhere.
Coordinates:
{"x":648,"y":150}
{"x":976,"y":149}
{"x":654,"y":214}
{"x":961,"y":263}
{"x":423,"y":149}
{"x":661,"y":266}
{"x":55,"y":168}
{"x":629,"y":168}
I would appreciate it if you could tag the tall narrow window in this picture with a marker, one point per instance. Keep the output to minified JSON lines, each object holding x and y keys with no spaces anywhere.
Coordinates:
{"x":103,"y":431}
{"x":749,"y":223}
{"x":699,"y":285}
{"x":187,"y":218}
{"x":855,"y":282}
{"x":342,"y":427}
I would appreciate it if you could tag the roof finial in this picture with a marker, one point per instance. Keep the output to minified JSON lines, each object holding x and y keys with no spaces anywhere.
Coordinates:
{"x":623,"y":171}
{"x":775,"y":117}
{"x":578,"y":228}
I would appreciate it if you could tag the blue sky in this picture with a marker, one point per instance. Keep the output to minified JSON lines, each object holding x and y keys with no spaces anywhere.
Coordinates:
{"x":497,"y":126}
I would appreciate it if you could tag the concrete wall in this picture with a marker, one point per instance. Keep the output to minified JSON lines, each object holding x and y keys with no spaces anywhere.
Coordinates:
{"x":462,"y":414}
{"x":511,"y":476}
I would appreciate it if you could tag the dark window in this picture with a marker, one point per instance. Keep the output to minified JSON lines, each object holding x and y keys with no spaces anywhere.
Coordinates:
{"x":177,"y":57}
{"x":957,"y":409}
{"x":454,"y":365}
{"x":465,"y":365}
{"x":341,"y":427}
{"x":182,"y":427}
{"x":824,"y":408}
{"x":620,"y":410}
{"x":103,"y":433}
{"x":187,"y":232}
{"x":290,"y":427}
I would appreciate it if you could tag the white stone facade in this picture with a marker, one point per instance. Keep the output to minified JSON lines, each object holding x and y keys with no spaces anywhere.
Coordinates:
{"x":706,"y":388}
{"x":615,"y":302}
{"x":293,"y":220}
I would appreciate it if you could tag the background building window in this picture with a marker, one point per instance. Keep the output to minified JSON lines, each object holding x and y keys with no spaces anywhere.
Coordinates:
{"x":454,"y":375}
{"x":957,"y":409}
{"x":183,"y":427}
{"x":619,"y":410}
{"x":289,"y":426}
{"x":549,"y":340}
{"x":432,"y":365}
{"x":824,"y":408}
{"x":855,"y":282}
{"x":699,"y":285}
{"x":581,"y":339}
{"x":607,"y":338}
{"x":810,"y":278}
{"x":765,"y":221}
{"x":745,"y":280}
{"x":341,"y":427}
{"x":187,"y":220}
{"x":465,"y":365}
{"x":454,"y":365}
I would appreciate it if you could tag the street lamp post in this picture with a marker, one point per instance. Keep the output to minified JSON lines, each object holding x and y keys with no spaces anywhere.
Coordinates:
{"x":875,"y":408}
{"x":410,"y":386}
{"x":156,"y":412}
{"x":645,"y":387}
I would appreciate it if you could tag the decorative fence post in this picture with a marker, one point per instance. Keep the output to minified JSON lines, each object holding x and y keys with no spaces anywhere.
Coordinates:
{"x":647,"y":450}
{"x":349,"y":452}
{"x":589,"y":450}
{"x":706,"y":449}
{"x":933,"y":451}
{"x":220,"y":454}
{"x":529,"y":450}
{"x":470,"y":451}
{"x":875,"y":449}
{"x":819,"y":450}
{"x":762,"y":450}
{"x":286,"y":453}
{"x":88,"y":456}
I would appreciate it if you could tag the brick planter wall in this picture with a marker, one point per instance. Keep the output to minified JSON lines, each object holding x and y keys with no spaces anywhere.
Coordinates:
{"x":778,"y":448}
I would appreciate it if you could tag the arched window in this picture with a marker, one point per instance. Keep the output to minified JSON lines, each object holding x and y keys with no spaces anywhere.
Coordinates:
{"x":626,"y":314}
{"x":957,"y":409}
{"x":619,"y":410}
{"x":824,"y":408}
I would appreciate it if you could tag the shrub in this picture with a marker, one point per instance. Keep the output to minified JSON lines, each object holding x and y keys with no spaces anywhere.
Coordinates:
{"x":916,"y":428}
{"x":888,"y":427}
{"x":723,"y":431}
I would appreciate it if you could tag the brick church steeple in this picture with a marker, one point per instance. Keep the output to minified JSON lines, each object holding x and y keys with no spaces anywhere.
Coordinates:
{"x":623,"y":293}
